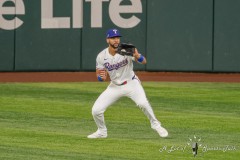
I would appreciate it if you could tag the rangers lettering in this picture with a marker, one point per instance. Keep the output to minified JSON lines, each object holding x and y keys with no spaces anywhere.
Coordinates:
{"x":111,"y":67}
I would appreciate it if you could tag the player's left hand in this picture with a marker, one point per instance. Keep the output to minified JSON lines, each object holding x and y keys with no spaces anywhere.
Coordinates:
{"x":136,"y":54}
{"x":138,"y":57}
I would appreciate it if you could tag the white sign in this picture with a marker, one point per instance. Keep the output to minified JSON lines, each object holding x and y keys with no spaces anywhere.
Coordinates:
{"x":48,"y":21}
{"x":15,"y":22}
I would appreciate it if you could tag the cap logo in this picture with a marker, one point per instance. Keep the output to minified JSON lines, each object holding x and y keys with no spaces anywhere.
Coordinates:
{"x":115,"y":31}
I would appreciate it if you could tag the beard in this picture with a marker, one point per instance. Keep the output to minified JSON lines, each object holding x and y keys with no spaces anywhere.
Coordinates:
{"x":115,"y":45}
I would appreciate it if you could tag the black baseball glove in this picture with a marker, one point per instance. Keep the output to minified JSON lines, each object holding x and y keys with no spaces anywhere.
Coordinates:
{"x":126,"y":49}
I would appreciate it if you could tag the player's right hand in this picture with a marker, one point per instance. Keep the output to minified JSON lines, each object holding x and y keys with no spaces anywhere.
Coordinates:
{"x":103,"y":74}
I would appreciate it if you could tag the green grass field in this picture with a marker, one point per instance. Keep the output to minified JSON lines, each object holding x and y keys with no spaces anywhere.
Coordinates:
{"x":50,"y":121}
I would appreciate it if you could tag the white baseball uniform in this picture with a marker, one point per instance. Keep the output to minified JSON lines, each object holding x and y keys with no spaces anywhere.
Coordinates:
{"x":124,"y":82}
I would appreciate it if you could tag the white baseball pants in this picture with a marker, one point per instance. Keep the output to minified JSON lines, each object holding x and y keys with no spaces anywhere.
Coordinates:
{"x":134,"y":90}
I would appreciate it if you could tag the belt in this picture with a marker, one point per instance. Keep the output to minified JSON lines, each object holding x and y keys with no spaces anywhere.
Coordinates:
{"x":125,"y":82}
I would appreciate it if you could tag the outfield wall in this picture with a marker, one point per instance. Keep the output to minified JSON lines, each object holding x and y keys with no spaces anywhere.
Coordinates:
{"x":66,"y":35}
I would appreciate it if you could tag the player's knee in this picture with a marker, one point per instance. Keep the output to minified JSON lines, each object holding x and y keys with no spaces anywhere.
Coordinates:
{"x":96,"y":111}
{"x":143,"y":104}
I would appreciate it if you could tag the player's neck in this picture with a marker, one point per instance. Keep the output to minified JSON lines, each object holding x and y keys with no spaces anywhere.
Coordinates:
{"x":111,"y":51}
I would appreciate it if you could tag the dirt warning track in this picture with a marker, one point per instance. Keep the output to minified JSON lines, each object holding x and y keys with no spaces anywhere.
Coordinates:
{"x":144,"y":76}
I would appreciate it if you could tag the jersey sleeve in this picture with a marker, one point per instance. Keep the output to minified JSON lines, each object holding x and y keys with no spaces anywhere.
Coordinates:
{"x":99,"y":62}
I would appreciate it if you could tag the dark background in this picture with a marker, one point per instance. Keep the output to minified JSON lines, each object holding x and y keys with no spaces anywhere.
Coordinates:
{"x":174,"y":35}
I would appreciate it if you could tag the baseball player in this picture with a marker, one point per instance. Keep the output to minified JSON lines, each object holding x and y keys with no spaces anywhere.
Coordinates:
{"x":124,"y":82}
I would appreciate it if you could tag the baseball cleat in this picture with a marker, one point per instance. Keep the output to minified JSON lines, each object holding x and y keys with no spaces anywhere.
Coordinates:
{"x":162,"y":131}
{"x":97,"y":134}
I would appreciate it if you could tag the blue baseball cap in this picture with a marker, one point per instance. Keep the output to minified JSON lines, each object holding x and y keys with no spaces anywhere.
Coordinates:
{"x":113,"y":33}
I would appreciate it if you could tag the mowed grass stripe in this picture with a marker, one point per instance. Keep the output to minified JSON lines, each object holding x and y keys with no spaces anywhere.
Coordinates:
{"x":52,"y":120}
